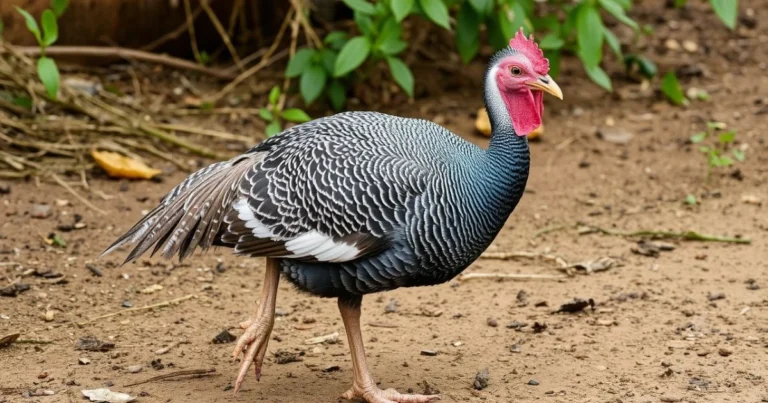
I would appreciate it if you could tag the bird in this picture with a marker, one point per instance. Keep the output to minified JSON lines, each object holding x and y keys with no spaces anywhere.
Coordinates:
{"x":358,"y":203}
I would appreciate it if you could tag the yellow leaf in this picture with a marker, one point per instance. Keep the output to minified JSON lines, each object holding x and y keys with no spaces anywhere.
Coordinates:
{"x":120,"y":166}
{"x":483,"y":125}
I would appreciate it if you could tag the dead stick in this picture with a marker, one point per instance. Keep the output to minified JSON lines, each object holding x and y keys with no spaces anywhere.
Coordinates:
{"x":124,"y":53}
{"x":685,"y":235}
{"x":512,"y":276}
{"x":141,"y":308}
{"x":174,"y":375}
{"x":222,"y":32}
{"x":85,"y":201}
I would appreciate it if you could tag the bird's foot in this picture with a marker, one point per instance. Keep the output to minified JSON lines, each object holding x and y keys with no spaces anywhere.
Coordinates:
{"x":253,"y":345}
{"x":373,"y":394}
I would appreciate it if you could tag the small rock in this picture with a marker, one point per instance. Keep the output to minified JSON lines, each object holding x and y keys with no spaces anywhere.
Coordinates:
{"x":391,"y":306}
{"x":280,"y":312}
{"x":725,"y":351}
{"x":93,"y":269}
{"x":14,"y":289}
{"x":157,"y":364}
{"x":539,"y":327}
{"x":671,"y":399}
{"x":127,"y":304}
{"x":429,"y":353}
{"x":615,"y":135}
{"x":690,"y":46}
{"x":751,"y":199}
{"x":704,"y":352}
{"x":40,"y":211}
{"x":83,"y":361}
{"x":678,"y":344}
{"x":224,"y":337}
{"x":151,"y":289}
{"x":331,"y":368}
{"x":752,"y":285}
{"x":515,"y":348}
{"x":481,"y":379}
{"x":492,"y":322}
{"x":533,"y":382}
{"x":5,"y":189}
{"x":134,"y":369}
{"x":106,"y":395}
{"x":286,"y":357}
{"x":517,"y":325}
{"x":715,"y":296}
{"x":672,"y":44}
{"x":90,"y":343}
{"x":577,"y":305}
{"x":49,"y":315}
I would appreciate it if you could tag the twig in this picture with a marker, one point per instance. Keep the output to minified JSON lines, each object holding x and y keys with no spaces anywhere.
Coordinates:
{"x":222,"y":32}
{"x":191,"y":29}
{"x":525,"y":255}
{"x":180,"y":30}
{"x":141,"y":308}
{"x":266,"y":60}
{"x":684,"y":236}
{"x":31,"y":341}
{"x":470,"y":276}
{"x":82,"y":199}
{"x":124,"y":53}
{"x":205,"y":132}
{"x":547,"y":230}
{"x":187,"y":372}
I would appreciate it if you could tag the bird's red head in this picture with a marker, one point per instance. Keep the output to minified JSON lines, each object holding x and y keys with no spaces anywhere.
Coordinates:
{"x":520,"y":75}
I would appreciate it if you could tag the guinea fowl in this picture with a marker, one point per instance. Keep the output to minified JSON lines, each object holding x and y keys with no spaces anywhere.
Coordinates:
{"x":357,"y":203}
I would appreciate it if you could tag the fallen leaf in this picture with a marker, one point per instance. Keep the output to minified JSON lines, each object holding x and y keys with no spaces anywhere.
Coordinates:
{"x":120,"y":166}
{"x":7,"y":340}
{"x":106,"y":395}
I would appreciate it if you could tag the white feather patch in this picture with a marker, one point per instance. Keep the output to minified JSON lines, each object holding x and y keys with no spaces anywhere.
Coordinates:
{"x":322,"y":247}
{"x":244,"y":213}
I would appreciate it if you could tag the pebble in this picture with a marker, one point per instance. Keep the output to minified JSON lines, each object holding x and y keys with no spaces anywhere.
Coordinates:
{"x":391,"y":306}
{"x":672,"y":44}
{"x":615,"y":135}
{"x":429,"y":353}
{"x":134,"y":369}
{"x":533,"y":382}
{"x":671,"y":399}
{"x":481,"y":379}
{"x":725,"y":351}
{"x":492,"y":322}
{"x":40,"y":211}
{"x":49,"y":315}
{"x":690,"y":46}
{"x":83,"y":361}
{"x":152,"y":288}
{"x":127,"y":304}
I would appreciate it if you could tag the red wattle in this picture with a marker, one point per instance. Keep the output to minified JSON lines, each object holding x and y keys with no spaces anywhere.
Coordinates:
{"x":525,"y":108}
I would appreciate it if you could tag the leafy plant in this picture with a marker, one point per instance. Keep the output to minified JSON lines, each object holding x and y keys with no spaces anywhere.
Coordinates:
{"x":46,"y":67}
{"x":670,"y":86}
{"x":716,"y":151}
{"x":273,"y":114}
{"x":575,"y":27}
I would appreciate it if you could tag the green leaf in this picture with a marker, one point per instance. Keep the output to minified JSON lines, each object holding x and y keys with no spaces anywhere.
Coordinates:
{"x":402,"y":74}
{"x":337,"y":94}
{"x":49,"y":75}
{"x":50,"y":28}
{"x":365,"y":25}
{"x":328,"y":58}
{"x":551,"y":42}
{"x":299,"y":62}
{"x":727,"y":10}
{"x":23,"y":101}
{"x":272,"y":129}
{"x":401,"y":8}
{"x":335,"y":39}
{"x":436,"y":11}
{"x":597,"y":74}
{"x":698,"y":137}
{"x":390,"y":31}
{"x":393,"y":47}
{"x":361,"y":6}
{"x":614,"y":44}
{"x":625,"y":4}
{"x":590,"y":33}
{"x":671,"y":88}
{"x":31,"y":24}
{"x":680,"y":3}
{"x":59,"y":6}
{"x":725,"y":161}
{"x":467,"y":32}
{"x":617,"y":11}
{"x":352,"y":55}
{"x":727,"y":137}
{"x":496,"y":37}
{"x":690,"y":199}
{"x":738,"y":154}
{"x":296,"y":115}
{"x":483,"y":7}
{"x":554,"y":62}
{"x":274,"y":95}
{"x":266,"y":114}
{"x":312,"y":83}
{"x":511,"y":20}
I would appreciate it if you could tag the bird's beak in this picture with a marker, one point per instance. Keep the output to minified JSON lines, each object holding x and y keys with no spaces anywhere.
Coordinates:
{"x":546,"y":84}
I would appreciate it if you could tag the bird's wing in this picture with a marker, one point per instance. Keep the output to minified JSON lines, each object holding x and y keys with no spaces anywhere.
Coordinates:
{"x":307,"y":194}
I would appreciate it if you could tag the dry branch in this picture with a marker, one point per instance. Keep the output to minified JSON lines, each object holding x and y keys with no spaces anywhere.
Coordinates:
{"x":141,"y":308}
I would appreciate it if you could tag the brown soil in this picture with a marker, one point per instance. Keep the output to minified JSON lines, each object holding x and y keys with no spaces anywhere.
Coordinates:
{"x":659,"y":330}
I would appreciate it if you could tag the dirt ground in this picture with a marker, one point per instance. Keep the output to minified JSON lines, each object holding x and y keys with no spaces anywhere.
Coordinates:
{"x":689,"y":325}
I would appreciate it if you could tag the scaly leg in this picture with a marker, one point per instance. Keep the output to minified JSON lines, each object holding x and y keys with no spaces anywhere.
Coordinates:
{"x":253,"y":343}
{"x":364,"y":387}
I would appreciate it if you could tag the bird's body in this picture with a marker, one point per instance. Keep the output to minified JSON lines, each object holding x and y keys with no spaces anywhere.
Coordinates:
{"x":356,"y":203}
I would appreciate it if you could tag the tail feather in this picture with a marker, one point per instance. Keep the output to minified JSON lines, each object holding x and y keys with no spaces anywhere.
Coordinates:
{"x":191,"y":215}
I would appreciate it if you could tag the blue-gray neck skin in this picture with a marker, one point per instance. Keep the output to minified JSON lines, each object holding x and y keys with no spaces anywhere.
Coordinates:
{"x":507,"y":162}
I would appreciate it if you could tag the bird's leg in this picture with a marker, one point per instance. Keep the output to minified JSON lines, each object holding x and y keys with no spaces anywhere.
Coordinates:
{"x":364,"y":387}
{"x":253,"y":343}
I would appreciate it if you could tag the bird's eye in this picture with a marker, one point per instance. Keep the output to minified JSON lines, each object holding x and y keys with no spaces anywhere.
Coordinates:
{"x":516,"y":71}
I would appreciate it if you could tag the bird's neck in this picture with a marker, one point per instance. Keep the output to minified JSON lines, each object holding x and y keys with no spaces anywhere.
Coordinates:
{"x":507,"y":160}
